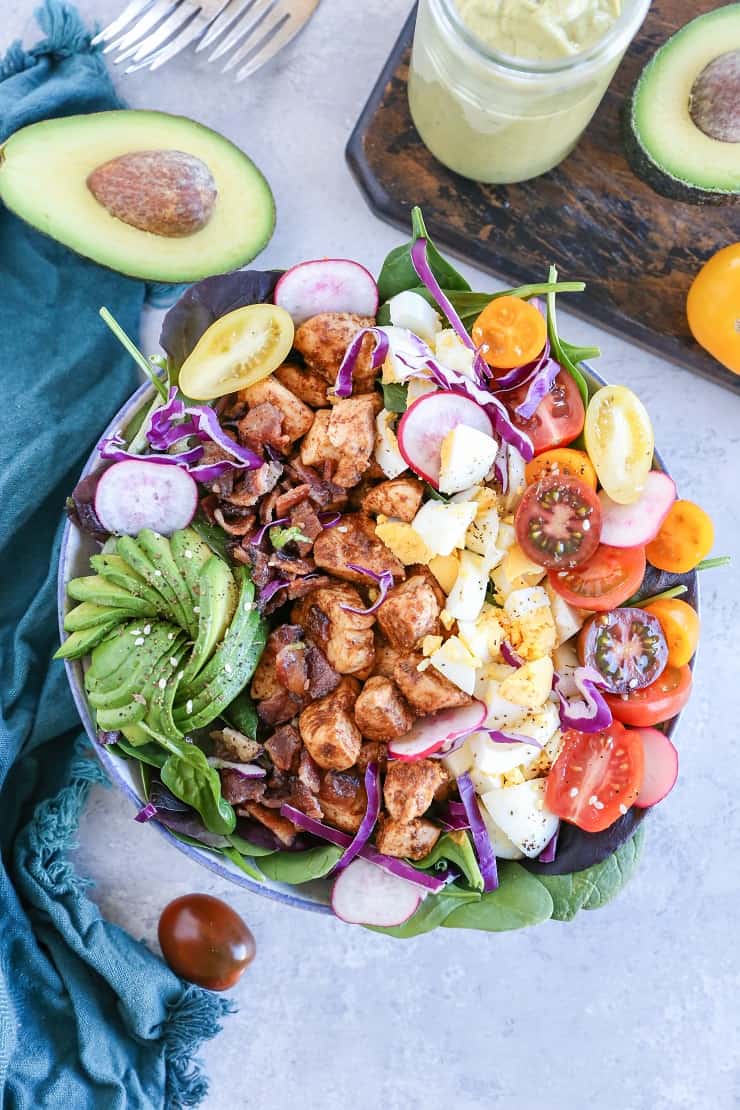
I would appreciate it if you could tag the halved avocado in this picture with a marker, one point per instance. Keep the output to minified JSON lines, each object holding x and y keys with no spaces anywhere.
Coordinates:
{"x":151,"y":195}
{"x":683,"y":119}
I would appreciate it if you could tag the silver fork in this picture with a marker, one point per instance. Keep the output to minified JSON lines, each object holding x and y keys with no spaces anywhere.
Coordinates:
{"x":151,"y":32}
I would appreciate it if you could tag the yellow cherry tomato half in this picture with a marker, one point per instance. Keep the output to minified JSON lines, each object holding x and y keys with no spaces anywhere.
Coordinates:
{"x":620,"y":442}
{"x":713,"y":307}
{"x":680,"y":624}
{"x":510,"y":332}
{"x":686,"y":537}
{"x":238,"y":350}
{"x":561,"y":460}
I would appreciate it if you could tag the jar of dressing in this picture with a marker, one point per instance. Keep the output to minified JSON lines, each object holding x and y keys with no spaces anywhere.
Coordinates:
{"x":501,"y":90}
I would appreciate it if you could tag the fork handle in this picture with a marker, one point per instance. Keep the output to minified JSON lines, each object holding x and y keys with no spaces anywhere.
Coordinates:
{"x":211,"y":8}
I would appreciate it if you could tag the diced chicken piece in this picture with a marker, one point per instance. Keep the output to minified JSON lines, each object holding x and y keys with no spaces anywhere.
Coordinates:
{"x":297,"y":417}
{"x":308,"y":772}
{"x":234,"y":745}
{"x":264,"y":680}
{"x":343,"y":799}
{"x":283,"y":747}
{"x":410,"y":840}
{"x":345,"y":638}
{"x":409,"y":613}
{"x":353,"y":540}
{"x":386,"y":658}
{"x":323,"y":341}
{"x":317,"y":448}
{"x":306,"y":384}
{"x":399,"y":497}
{"x":372,"y":752}
{"x":381,"y":712}
{"x":351,"y":434}
{"x":426,"y":690}
{"x":409,"y":788}
{"x":272,"y":820}
{"x":328,"y":728}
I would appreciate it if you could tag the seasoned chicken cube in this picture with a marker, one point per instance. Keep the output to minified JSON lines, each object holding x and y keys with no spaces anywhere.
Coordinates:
{"x":317,"y":448}
{"x":323,"y":341}
{"x":345,"y":638}
{"x":372,"y":752}
{"x":426,"y":690}
{"x":264,"y":680}
{"x":306,"y":384}
{"x":409,"y":788}
{"x":411,"y":840}
{"x":328,"y":728}
{"x":386,"y":658}
{"x":353,"y":540}
{"x":272,"y":820}
{"x":409,"y":613}
{"x":351,"y":433}
{"x":381,"y":712}
{"x":398,"y":497}
{"x":343,"y":799}
{"x":231,"y":744}
{"x":297,"y":417}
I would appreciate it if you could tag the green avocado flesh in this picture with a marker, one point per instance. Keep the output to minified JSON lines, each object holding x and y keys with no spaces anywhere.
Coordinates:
{"x":687,"y":95}
{"x":172,"y":632}
{"x":45,"y":169}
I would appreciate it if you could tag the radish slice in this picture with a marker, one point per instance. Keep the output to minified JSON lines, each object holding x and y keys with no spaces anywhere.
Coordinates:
{"x":138,"y":494}
{"x":440,"y":730}
{"x":661,"y":767}
{"x":425,"y":424}
{"x":364,"y":895}
{"x":326,"y":285}
{"x":637,"y":524}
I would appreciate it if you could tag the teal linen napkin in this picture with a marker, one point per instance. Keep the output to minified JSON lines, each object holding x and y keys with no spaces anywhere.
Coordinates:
{"x":89,"y":1018}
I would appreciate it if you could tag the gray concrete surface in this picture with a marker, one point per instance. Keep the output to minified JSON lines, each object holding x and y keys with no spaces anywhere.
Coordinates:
{"x":631,"y":1008}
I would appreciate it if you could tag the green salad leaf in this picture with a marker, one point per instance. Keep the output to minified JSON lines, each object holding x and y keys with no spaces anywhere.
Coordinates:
{"x":242,"y":715}
{"x":456,"y":847}
{"x":520,"y":900}
{"x":395,"y":396}
{"x":597,"y":885}
{"x":247,"y":848}
{"x":564,"y":353}
{"x":398,"y":273}
{"x":432,"y":912}
{"x":190,"y":777}
{"x":150,"y":754}
{"x":301,"y":867}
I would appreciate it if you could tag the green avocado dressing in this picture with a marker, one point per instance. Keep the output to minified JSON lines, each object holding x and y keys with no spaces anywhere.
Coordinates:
{"x":539,"y":30}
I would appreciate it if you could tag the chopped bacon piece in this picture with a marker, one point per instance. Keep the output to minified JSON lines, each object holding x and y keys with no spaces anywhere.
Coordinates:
{"x":324,"y":493}
{"x":242,"y":525}
{"x":263,"y":425}
{"x":299,"y":587}
{"x":304,"y":799}
{"x":238,"y":788}
{"x":343,"y":799}
{"x":309,"y":772}
{"x":286,"y":501}
{"x":322,"y":678}
{"x":283,"y":747}
{"x":291,"y":667}
{"x":279,"y":707}
{"x":280,"y":826}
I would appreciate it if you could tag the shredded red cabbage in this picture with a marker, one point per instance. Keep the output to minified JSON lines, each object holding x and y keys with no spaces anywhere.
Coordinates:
{"x":268,"y":591}
{"x":481,"y":839}
{"x":513,"y":658}
{"x":453,"y":821}
{"x":538,"y":388}
{"x":547,"y":855}
{"x":343,"y":384}
{"x":329,"y":519}
{"x":146,"y":813}
{"x":384,"y":581}
{"x":500,"y":737}
{"x":501,"y":466}
{"x":512,"y":379}
{"x":587,"y":713}
{"x":457,"y":809}
{"x":363,"y":834}
{"x":114,"y":449}
{"x":246,"y":770}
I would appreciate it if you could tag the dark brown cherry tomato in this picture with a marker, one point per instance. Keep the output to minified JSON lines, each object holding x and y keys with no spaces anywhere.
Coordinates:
{"x":626,"y":646}
{"x":558,"y":522}
{"x":205,"y":941}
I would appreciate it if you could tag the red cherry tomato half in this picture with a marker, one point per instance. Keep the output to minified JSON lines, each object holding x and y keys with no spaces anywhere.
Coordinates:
{"x":608,"y":579}
{"x":558,"y":522}
{"x":658,"y":702}
{"x":205,"y":941}
{"x":557,"y":420}
{"x":596,"y":777}
{"x":626,"y":646}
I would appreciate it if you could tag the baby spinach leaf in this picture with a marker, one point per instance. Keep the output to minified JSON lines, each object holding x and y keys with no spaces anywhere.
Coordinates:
{"x":394,"y":396}
{"x":242,"y":715}
{"x":189,"y":776}
{"x":520,"y":900}
{"x":469,"y":305}
{"x":432,"y":912}
{"x":597,"y":885}
{"x":398,"y":273}
{"x":248,"y":847}
{"x":565,"y":353}
{"x":151,"y":754}
{"x":301,"y":867}
{"x":456,"y":847}
{"x":243,"y":864}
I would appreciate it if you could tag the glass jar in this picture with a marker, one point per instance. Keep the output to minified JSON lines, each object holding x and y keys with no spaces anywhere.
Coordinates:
{"x":500,"y":119}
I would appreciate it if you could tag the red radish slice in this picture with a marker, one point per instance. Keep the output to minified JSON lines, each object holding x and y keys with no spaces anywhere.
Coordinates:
{"x":661,"y":767}
{"x":637,"y":524}
{"x":440,"y":730}
{"x":426,"y":423}
{"x":364,"y":895}
{"x":326,"y":285}
{"x":138,"y":494}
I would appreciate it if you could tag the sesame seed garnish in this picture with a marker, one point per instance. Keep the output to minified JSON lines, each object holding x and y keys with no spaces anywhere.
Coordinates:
{"x":173,"y":661}
{"x":188,"y":553}
{"x":228,"y":668}
{"x":622,"y":809}
{"x":147,"y":629}
{"x":189,"y":706}
{"x":162,"y":683}
{"x":138,"y":641}
{"x":158,"y":574}
{"x":136,"y":632}
{"x":170,"y":635}
{"x":573,"y":791}
{"x":248,"y":606}
{"x":196,"y":608}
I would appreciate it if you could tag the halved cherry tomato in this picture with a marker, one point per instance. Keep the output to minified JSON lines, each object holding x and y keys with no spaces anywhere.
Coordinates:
{"x":680,"y":624}
{"x":557,"y":420}
{"x":619,"y":441}
{"x":596,"y":777}
{"x":237,"y":350}
{"x":657,"y":702}
{"x":686,"y":537}
{"x":562,"y":460}
{"x":713,"y":306}
{"x":558,"y":522}
{"x":510,"y":332}
{"x":609,"y":577}
{"x":626,"y":646}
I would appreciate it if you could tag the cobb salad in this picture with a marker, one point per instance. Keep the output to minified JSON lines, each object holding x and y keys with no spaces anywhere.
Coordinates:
{"x":389,"y":592}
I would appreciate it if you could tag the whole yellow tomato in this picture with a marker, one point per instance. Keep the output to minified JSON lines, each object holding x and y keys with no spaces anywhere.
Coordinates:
{"x":713,"y":307}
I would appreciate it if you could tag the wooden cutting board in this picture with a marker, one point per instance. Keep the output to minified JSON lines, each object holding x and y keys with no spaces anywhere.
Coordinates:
{"x":592,"y":217}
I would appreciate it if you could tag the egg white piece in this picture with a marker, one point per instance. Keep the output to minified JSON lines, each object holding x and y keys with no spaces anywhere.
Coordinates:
{"x":443,"y":527}
{"x":388,"y":457}
{"x":465,"y":601}
{"x":453,"y":353}
{"x":412,"y":311}
{"x":460,"y":761}
{"x":419,"y":387}
{"x":455,"y":662}
{"x":521,"y":813}
{"x":502,"y":846}
{"x":466,"y":456}
{"x":482,"y":534}
{"x":491,"y":758}
{"x":568,"y":621}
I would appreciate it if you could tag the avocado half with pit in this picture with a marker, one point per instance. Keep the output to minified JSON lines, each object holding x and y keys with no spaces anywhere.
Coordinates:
{"x":151,"y":195}
{"x":683,"y":119}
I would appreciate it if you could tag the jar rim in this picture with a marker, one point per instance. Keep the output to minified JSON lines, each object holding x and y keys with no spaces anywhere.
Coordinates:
{"x":615,"y":40}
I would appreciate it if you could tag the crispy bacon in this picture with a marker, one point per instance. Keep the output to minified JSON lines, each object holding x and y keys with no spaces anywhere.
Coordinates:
{"x":237,"y":788}
{"x":292,"y":668}
{"x":292,"y":497}
{"x":262,"y":426}
{"x":283,"y":747}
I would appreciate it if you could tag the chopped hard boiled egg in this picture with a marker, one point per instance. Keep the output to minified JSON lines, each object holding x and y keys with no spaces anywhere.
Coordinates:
{"x":452,"y":352}
{"x":466,"y":456}
{"x":442,"y":527}
{"x":532,"y":631}
{"x":484,"y":635}
{"x":517,"y":482}
{"x":460,"y":761}
{"x":506,"y":536}
{"x":419,"y":387}
{"x":568,"y":620}
{"x":404,"y":541}
{"x":466,"y":598}
{"x":522,"y":815}
{"x":530,"y":684}
{"x":491,"y":758}
{"x":482,"y":534}
{"x":445,"y":568}
{"x":412,"y":311}
{"x":388,"y":457}
{"x":502,"y":846}
{"x":456,"y":663}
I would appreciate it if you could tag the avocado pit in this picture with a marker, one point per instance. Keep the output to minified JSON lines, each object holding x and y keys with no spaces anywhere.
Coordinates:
{"x":714,"y":101}
{"x":165,"y":192}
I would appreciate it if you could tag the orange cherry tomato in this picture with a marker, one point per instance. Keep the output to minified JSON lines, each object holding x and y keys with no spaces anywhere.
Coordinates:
{"x":680,"y":624}
{"x":686,"y":537}
{"x":205,"y":941}
{"x":510,"y":332}
{"x":656,"y":703}
{"x":713,"y":307}
{"x":562,"y":460}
